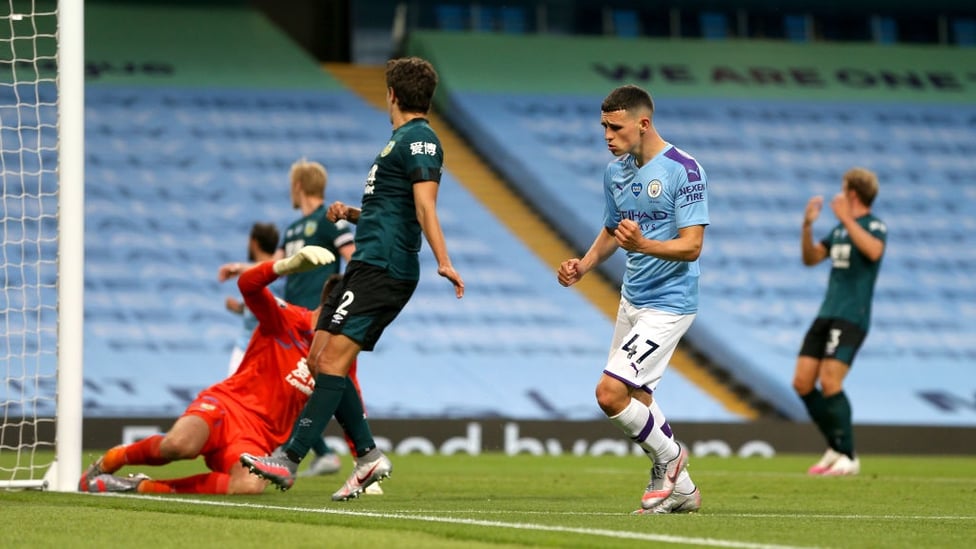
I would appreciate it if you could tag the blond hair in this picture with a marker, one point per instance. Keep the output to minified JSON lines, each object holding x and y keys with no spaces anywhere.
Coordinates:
{"x":310,"y":176}
{"x":863,"y":182}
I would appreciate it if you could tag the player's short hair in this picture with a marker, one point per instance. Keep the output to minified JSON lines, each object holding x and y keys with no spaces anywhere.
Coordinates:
{"x":266,"y":235}
{"x":863,"y":182}
{"x":311,"y":177}
{"x":413,"y":81}
{"x":330,"y":284}
{"x":628,"y":98}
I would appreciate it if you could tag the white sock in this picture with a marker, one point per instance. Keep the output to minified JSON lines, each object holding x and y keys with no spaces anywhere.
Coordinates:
{"x":636,"y":422}
{"x":661,"y":439}
{"x":684,"y":484}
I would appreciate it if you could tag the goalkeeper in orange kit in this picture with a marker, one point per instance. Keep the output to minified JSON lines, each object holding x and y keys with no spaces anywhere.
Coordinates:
{"x":251,"y":411}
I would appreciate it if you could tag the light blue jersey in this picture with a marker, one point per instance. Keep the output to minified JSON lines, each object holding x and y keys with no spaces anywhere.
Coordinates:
{"x":668,"y":193}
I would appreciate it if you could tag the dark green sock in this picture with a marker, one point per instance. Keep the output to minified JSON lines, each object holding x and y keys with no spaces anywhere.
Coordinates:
{"x":352,"y":418}
{"x":841,"y":429}
{"x":817,"y":408}
{"x":316,"y":415}
{"x":320,"y":447}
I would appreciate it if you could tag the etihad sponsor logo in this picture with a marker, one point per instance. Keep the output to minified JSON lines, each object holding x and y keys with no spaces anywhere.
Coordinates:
{"x":642,"y":216}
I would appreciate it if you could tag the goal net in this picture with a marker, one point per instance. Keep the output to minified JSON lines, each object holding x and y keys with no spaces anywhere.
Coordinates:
{"x":41,"y":242}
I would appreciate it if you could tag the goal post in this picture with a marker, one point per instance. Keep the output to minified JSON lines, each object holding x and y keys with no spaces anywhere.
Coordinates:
{"x":42,"y":233}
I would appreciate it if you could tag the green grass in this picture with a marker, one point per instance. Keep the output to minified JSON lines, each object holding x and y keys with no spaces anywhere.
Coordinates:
{"x":499,"y":501}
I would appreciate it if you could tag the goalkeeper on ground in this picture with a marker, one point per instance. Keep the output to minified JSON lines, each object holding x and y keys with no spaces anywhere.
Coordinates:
{"x":251,"y":411}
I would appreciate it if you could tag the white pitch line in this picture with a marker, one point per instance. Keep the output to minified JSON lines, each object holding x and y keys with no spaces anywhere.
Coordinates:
{"x":711,"y":542}
{"x":803,"y":516}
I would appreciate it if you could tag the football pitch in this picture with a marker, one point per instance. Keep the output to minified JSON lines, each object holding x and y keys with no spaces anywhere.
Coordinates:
{"x":493,"y":500}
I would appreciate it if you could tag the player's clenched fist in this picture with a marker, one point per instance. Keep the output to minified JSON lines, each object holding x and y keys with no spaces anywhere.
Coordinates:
{"x":628,"y":235}
{"x":568,"y":273}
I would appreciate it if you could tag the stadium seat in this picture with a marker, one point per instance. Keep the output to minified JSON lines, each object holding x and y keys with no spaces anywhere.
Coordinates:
{"x":757,"y":299}
{"x":714,"y":25}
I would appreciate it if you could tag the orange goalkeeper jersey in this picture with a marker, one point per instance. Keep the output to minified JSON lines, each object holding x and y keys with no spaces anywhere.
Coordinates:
{"x":273,"y":382}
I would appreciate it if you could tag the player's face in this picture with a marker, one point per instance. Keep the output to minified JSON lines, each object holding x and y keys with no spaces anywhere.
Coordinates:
{"x":621,"y":131}
{"x":294,"y":194}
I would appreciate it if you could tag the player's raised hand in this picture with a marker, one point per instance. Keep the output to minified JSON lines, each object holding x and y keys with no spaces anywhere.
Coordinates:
{"x":812,"y":212}
{"x":228,"y":271}
{"x":568,"y":273}
{"x":842,"y":207}
{"x":305,"y":259}
{"x":448,"y":272}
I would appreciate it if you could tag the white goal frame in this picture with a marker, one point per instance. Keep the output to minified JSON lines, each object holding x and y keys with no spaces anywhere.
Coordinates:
{"x":65,"y":470}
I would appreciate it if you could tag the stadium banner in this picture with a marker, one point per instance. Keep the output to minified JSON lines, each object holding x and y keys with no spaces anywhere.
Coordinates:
{"x":727,"y":69}
{"x":196,"y":46}
{"x":476,"y":436}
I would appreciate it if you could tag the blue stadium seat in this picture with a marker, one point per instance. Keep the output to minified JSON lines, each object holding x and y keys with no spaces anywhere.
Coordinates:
{"x":757,"y":299}
{"x":714,"y":25}
{"x":452,"y":17}
{"x":625,"y":22}
{"x":796,"y":28}
{"x":964,"y":31}
{"x":175,"y":179}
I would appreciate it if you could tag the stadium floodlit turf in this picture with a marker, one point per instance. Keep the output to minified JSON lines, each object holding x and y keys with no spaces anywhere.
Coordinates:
{"x":494,"y":500}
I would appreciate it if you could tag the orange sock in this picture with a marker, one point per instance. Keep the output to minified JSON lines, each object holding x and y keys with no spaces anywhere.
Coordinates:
{"x":143,"y":452}
{"x":205,"y":483}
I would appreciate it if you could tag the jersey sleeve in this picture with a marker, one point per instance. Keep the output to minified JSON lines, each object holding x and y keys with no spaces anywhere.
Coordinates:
{"x":878,"y":229}
{"x":342,"y":235}
{"x":611,"y":216}
{"x":423,"y":157}
{"x":691,"y":203}
{"x":253,"y":284}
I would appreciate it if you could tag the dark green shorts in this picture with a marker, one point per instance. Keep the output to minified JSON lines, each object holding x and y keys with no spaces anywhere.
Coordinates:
{"x":833,"y":338}
{"x":364,"y":303}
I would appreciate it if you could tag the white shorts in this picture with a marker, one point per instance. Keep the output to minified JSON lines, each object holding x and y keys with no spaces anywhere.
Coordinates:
{"x":643,"y":342}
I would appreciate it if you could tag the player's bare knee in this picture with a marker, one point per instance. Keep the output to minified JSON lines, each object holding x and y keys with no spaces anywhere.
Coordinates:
{"x":177,"y":447}
{"x":246,"y":485}
{"x":802,"y":386}
{"x":611,"y":401}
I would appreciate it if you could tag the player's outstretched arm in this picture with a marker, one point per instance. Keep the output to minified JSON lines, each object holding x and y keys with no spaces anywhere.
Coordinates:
{"x":305,"y":259}
{"x":425,"y":198}
{"x":572,"y":270}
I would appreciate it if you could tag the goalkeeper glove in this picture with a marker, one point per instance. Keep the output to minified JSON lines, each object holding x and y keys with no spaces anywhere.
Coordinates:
{"x":306,"y":259}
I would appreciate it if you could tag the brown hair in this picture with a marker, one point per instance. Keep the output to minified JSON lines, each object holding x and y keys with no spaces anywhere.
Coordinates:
{"x":863,"y":182}
{"x":628,"y":98}
{"x":413,"y":81}
{"x":266,"y":235}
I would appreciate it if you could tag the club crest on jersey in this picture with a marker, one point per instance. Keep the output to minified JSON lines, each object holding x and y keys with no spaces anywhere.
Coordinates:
{"x":654,"y":189}
{"x":636,"y":188}
{"x":310,"y":227}
{"x":389,"y":147}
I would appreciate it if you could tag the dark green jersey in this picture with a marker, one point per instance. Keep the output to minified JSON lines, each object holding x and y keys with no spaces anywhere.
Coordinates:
{"x":388,"y":233}
{"x":852,"y":277}
{"x":305,"y":289}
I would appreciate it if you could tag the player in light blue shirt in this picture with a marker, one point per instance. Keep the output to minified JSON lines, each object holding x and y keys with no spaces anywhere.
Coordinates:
{"x":656,"y":209}
{"x":664,"y":195}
